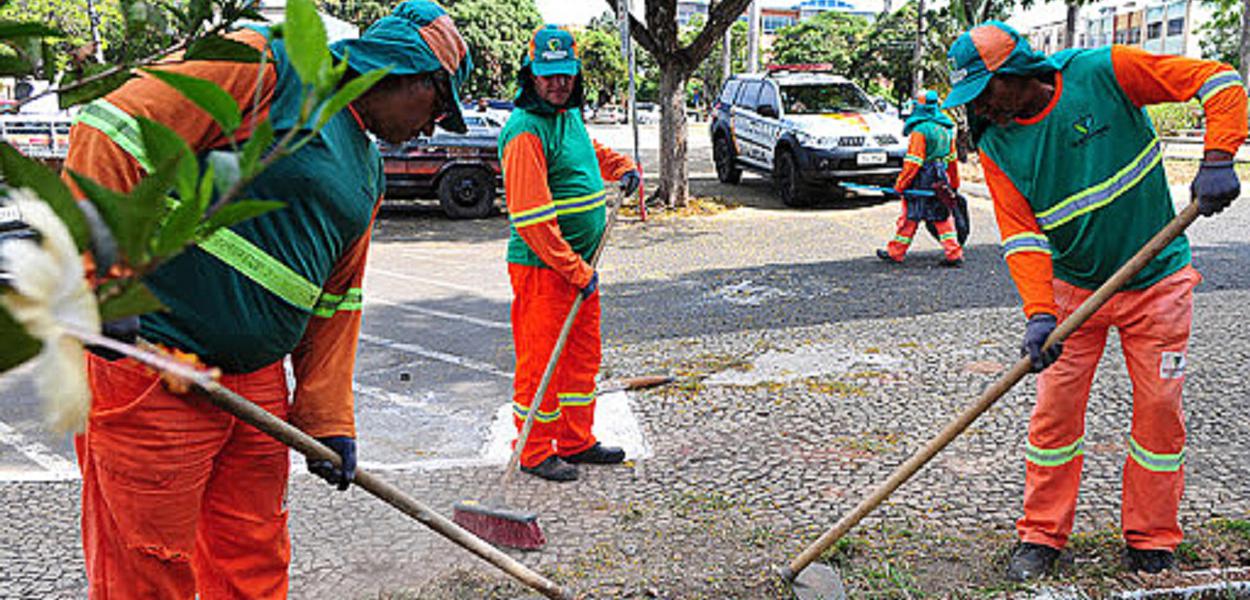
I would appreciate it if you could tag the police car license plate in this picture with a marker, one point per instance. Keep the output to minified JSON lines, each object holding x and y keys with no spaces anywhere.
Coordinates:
{"x":870,"y":158}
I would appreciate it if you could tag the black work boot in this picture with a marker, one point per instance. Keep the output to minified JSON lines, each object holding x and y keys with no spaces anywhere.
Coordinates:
{"x":553,"y":469}
{"x":1150,"y":561}
{"x":598,"y":454}
{"x":885,"y":255}
{"x":1030,"y":561}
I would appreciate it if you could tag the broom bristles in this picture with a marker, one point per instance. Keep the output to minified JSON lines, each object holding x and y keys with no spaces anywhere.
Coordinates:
{"x":500,"y":526}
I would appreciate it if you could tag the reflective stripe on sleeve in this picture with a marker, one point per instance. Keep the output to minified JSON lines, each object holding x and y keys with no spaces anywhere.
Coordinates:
{"x":1216,"y":84}
{"x":1026,"y":242}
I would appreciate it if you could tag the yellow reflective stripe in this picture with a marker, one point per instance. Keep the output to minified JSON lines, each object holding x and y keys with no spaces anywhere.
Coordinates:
{"x":579,"y":204}
{"x":1151,"y":461}
{"x":329,"y":304}
{"x":1217,"y":83}
{"x":1026,"y":242}
{"x":1054,"y":457}
{"x":912,"y":158}
{"x":541,"y":417}
{"x":263,"y":269}
{"x":532,"y":216}
{"x":948,"y":236}
{"x":902,"y":239}
{"x":574,"y":399}
{"x":119,"y":126}
{"x":1093,"y":198}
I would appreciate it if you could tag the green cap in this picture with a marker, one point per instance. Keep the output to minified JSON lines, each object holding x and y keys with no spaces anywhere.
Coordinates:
{"x":981,"y":52}
{"x":417,"y":37}
{"x":552,"y":51}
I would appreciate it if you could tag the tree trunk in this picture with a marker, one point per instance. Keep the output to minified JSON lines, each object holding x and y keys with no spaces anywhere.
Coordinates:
{"x":1245,"y":41}
{"x":673,"y":186}
{"x":1069,"y":25}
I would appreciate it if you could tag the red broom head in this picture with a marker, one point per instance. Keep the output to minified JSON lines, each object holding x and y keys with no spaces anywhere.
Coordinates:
{"x":500,"y":526}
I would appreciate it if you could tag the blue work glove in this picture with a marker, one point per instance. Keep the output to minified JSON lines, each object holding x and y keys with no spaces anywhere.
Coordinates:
{"x":591,"y":286}
{"x":1035,"y":333}
{"x":1215,"y":187}
{"x":629,"y":182}
{"x":346,"y":449}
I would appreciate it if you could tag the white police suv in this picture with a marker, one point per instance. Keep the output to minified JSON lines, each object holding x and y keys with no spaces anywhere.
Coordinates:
{"x":806,"y":129}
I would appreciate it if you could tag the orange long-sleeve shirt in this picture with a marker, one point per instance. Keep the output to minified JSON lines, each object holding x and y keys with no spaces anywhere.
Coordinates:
{"x":1146,"y":79}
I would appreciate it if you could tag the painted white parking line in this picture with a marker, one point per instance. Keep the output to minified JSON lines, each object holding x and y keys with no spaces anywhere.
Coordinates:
{"x":476,"y":290}
{"x":446,"y":357}
{"x":55,"y":468}
{"x":442,"y":314}
{"x":615,"y":425}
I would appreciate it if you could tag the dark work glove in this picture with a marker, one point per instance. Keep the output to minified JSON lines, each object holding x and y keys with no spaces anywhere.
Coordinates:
{"x":346,"y":449}
{"x":629,"y":182}
{"x":1215,"y":187}
{"x":591,"y":286}
{"x":1035,"y":333}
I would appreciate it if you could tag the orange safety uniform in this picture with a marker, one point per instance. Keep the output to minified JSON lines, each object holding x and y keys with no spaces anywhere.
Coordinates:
{"x":930,"y":139}
{"x":553,"y":179}
{"x":179,"y":498}
{"x":1101,"y":160}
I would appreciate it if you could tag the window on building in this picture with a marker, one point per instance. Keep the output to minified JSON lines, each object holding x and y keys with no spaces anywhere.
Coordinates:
{"x":1154,"y":31}
{"x":1134,"y":35}
{"x":1176,"y":26}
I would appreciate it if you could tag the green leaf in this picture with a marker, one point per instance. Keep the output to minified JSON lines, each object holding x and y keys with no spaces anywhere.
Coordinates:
{"x":350,"y":91}
{"x":18,"y":346}
{"x":159,"y":140}
{"x":24,"y":29}
{"x":254,"y":148}
{"x":14,"y":65}
{"x":136,"y":299}
{"x":306,"y":41}
{"x":22,"y":172}
{"x":72,"y":94}
{"x":237,"y":212}
{"x":220,"y":48}
{"x":215,"y":101}
{"x":133,"y":218}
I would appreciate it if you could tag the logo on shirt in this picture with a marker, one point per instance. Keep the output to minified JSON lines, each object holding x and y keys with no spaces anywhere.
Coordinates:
{"x":1087,"y":129}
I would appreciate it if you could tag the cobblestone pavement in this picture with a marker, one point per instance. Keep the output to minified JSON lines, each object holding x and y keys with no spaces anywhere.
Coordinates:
{"x":752,"y":459}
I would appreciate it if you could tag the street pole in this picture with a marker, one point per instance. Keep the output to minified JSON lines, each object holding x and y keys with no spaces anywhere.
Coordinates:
{"x":753,"y":37}
{"x":727,"y":59}
{"x":95,"y":31}
{"x":627,"y":47}
{"x":918,"y":52}
{"x":1245,"y":41}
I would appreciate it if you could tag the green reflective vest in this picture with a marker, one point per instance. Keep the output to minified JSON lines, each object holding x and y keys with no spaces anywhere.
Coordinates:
{"x":572,"y":175}
{"x":1092,"y":171}
{"x":242,"y":299}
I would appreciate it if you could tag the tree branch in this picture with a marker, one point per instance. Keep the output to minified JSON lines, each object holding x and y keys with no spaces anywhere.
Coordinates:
{"x":721,"y":16}
{"x":637,"y":30}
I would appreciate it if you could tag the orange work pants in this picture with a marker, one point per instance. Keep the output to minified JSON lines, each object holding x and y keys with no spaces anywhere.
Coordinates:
{"x":1153,"y":324}
{"x":947,"y":235}
{"x":179,"y":497}
{"x":566,"y":413}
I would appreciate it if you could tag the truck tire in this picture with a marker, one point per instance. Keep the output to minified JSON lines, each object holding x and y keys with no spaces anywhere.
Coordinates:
{"x":786,"y":179}
{"x":466,"y":193}
{"x":723,"y":157}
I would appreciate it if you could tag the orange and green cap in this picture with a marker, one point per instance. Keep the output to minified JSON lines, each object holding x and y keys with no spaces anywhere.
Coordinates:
{"x":552,"y":51}
{"x":985,"y":50}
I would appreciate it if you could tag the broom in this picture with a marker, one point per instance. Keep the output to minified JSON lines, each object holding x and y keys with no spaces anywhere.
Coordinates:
{"x":494,"y":521}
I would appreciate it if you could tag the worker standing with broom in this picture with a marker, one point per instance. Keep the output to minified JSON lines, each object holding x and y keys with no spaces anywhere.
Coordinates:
{"x":181,"y":499}
{"x":553,"y":180}
{"x":1075,"y":171}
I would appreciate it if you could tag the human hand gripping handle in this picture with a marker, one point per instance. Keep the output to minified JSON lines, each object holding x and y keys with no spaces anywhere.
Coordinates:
{"x":589,"y":289}
{"x":345,"y":447}
{"x":629,"y":182}
{"x":1036,"y":331}
{"x":1216,"y":185}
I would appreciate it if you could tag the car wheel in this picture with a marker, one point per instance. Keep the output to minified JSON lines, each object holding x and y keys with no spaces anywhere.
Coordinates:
{"x":466,"y":193}
{"x":786,"y":180}
{"x":723,"y":156}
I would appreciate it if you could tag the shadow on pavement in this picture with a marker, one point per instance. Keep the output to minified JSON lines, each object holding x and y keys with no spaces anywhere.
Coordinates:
{"x":757,"y":192}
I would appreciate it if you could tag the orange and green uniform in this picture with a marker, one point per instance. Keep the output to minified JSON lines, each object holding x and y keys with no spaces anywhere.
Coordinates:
{"x":180,"y":498}
{"x":930,"y":145}
{"x":553,"y":180}
{"x":1077,"y":190}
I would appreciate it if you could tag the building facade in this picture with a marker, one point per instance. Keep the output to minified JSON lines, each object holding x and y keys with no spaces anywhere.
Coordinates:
{"x":1160,"y":26}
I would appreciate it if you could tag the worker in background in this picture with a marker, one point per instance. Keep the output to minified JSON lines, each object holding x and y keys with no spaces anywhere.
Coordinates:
{"x":553,"y":179}
{"x":181,"y":499}
{"x":1075,"y":171}
{"x":930,"y":166}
